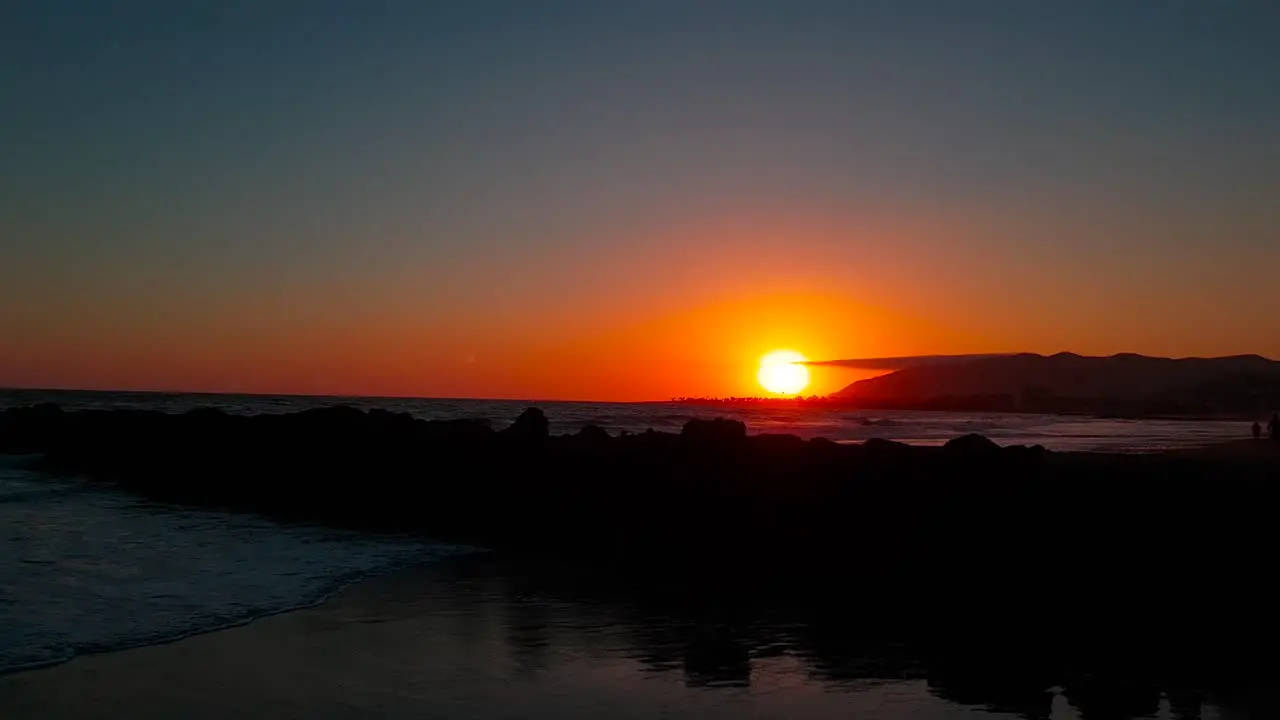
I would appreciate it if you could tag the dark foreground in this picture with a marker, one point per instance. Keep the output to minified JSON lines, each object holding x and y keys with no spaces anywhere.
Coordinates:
{"x":992,"y":562}
{"x":484,"y":637}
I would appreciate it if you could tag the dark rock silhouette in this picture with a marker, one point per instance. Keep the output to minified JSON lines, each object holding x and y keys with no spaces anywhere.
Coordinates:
{"x":715,"y":432}
{"x":531,"y":424}
{"x":593,"y":433}
{"x":972,"y":446}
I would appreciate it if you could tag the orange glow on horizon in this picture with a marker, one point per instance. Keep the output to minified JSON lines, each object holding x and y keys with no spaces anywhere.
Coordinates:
{"x":687,"y":309}
{"x":602,"y":352}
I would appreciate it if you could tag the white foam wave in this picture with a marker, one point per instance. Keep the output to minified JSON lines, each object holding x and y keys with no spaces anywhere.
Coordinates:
{"x":95,"y":570}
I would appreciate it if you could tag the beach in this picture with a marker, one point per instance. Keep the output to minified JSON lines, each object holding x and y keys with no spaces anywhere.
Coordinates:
{"x":475,"y":638}
{"x":430,"y":642}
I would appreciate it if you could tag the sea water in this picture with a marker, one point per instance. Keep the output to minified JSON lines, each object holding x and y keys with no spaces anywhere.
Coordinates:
{"x":88,"y":569}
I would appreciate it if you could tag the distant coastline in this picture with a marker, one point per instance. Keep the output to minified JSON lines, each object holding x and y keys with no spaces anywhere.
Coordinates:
{"x":1123,"y":386}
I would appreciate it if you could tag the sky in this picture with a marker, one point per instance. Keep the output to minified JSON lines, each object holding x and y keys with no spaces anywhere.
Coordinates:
{"x":625,"y":200}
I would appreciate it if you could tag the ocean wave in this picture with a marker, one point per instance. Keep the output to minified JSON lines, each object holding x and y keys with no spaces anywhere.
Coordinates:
{"x":19,"y":485}
{"x":15,"y":495}
{"x":34,"y":649}
{"x":19,"y":462}
{"x":38,"y":652}
{"x":94,"y":571}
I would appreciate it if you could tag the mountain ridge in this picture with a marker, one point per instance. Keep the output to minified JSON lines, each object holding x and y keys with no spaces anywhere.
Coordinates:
{"x":1068,"y":381}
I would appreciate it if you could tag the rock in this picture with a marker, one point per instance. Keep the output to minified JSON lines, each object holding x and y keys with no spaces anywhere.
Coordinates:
{"x":1024,"y":453}
{"x":459,"y":428}
{"x":532,"y":423}
{"x":714,"y":432}
{"x":879,"y":449}
{"x":971,"y":445}
{"x":593,"y":433}
{"x":778,"y":443}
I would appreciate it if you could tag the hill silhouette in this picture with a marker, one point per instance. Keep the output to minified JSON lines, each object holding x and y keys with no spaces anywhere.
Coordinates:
{"x":1124,"y":383}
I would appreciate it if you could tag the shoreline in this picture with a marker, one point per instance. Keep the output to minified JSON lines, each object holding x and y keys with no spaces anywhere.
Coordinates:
{"x":486,"y":637}
{"x":96,"y":676}
{"x":342,"y":586}
{"x":339,"y":586}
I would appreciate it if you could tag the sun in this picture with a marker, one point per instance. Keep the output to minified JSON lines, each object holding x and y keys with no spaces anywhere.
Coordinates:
{"x":781,"y":372}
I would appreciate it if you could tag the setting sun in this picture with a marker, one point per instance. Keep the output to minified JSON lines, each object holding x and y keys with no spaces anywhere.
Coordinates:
{"x":781,"y":372}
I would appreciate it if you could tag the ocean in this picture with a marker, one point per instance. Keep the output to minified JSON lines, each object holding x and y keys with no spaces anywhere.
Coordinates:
{"x":86,"y":569}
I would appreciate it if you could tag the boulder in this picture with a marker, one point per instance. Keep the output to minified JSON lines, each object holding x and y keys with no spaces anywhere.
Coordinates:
{"x":714,"y":432}
{"x":532,"y":423}
{"x":971,"y":445}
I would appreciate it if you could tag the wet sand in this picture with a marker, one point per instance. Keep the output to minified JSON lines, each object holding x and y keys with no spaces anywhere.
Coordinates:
{"x":444,"y":642}
{"x":420,"y":643}
{"x":1249,"y":449}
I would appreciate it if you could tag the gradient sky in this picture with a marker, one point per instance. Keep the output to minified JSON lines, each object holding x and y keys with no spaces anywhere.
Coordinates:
{"x":625,"y":200}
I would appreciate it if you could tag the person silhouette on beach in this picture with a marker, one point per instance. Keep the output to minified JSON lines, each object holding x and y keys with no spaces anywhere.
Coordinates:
{"x":1273,"y":427}
{"x":1257,"y":430}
